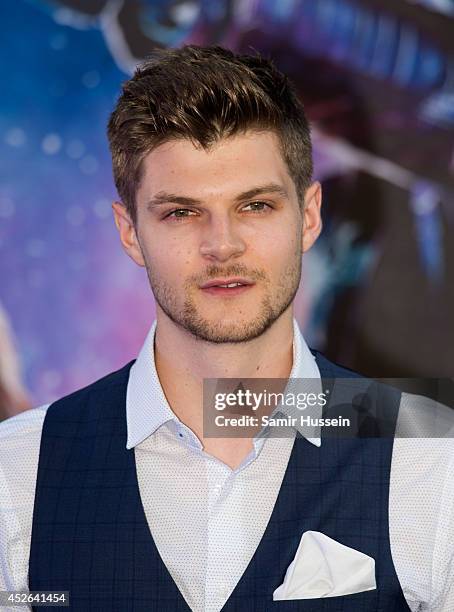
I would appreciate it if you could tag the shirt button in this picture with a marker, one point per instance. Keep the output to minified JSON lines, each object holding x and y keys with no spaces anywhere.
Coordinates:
{"x":224,"y":591}
{"x":218,"y":488}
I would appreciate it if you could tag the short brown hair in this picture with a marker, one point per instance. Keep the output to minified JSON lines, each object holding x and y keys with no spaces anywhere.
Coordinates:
{"x":204,"y":94}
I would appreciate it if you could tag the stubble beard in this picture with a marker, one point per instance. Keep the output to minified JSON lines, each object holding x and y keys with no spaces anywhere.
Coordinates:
{"x":275,"y":302}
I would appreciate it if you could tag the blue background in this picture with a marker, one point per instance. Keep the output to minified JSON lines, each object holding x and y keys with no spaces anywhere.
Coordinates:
{"x":376,"y":80}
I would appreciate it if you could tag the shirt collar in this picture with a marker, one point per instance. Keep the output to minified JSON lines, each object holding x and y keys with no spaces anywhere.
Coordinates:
{"x":147,"y":407}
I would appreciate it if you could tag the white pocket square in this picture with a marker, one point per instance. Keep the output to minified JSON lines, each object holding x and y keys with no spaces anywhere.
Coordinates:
{"x":323,"y":567}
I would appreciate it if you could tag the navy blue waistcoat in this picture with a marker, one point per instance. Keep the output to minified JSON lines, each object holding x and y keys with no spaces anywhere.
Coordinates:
{"x":90,"y":535}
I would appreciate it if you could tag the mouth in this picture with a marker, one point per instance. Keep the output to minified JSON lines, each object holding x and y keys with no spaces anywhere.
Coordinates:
{"x":227,"y":286}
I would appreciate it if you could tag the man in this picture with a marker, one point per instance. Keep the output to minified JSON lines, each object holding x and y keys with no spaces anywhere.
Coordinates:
{"x":135,"y":508}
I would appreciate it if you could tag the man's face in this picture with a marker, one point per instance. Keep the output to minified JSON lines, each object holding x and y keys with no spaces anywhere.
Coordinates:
{"x":228,"y":215}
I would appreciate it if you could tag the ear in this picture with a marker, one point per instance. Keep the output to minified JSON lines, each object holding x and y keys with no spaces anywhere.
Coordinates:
{"x":312,"y":220}
{"x":127,"y":231}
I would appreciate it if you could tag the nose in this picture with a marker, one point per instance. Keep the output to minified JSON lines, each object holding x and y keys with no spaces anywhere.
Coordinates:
{"x":221,"y":240}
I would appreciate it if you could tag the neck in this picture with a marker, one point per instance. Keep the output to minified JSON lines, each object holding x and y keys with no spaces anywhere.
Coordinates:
{"x":183,"y":361}
{"x":181,"y":353}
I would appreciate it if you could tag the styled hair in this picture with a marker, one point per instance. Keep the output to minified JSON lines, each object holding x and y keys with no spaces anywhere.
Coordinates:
{"x":204,"y":94}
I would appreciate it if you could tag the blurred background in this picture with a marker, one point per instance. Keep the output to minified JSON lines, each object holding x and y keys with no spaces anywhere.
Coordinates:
{"x":377,"y":79}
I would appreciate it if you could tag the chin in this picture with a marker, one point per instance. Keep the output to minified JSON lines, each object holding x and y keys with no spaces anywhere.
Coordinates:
{"x":226,"y":331}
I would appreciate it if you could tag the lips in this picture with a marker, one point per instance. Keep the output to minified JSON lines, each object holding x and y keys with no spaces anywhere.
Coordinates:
{"x":228,"y":288}
{"x":225,"y":283}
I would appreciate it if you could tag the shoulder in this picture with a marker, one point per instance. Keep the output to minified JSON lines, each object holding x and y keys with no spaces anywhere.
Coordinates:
{"x":423,"y":452}
{"x":422,"y":498}
{"x":20,"y":438}
{"x":359,"y":393}
{"x":331,"y":369}
{"x":424,"y":442}
{"x":24,"y":429}
{"x":111,"y":382}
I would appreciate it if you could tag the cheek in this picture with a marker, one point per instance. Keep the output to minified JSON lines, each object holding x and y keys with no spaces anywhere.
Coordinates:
{"x":171,"y":258}
{"x":277,"y":244}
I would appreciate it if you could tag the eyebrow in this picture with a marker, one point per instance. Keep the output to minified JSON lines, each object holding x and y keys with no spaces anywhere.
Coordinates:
{"x":166,"y":198}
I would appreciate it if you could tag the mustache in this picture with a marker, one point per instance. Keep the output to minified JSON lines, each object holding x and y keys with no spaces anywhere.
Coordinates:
{"x":215,"y":271}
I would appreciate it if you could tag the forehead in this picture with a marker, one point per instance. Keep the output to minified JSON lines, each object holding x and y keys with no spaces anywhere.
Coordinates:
{"x":228,"y":167}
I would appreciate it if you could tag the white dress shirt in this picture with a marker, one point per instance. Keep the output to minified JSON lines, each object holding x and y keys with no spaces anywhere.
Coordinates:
{"x":207,"y":519}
